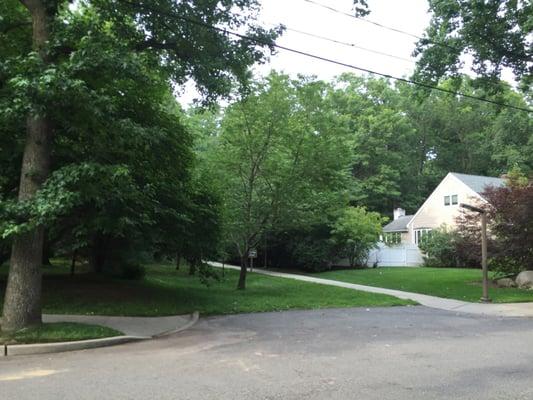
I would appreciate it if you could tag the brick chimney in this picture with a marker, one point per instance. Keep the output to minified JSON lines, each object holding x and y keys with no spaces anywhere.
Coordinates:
{"x":398,"y":212}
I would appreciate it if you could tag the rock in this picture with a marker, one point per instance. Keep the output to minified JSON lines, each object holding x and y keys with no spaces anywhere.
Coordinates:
{"x":506,"y":283}
{"x":524,"y":280}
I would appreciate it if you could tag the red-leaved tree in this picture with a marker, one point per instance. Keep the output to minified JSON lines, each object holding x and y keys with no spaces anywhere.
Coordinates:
{"x":510,"y":223}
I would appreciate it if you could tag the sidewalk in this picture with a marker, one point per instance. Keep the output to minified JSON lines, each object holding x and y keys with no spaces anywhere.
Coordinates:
{"x":133,"y":328}
{"x":497,"y":310}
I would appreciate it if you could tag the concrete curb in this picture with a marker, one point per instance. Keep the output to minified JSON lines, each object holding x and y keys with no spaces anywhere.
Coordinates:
{"x":59,"y":347}
{"x":194,"y":319}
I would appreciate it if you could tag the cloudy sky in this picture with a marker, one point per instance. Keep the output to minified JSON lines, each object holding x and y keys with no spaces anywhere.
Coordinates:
{"x":407,"y":15}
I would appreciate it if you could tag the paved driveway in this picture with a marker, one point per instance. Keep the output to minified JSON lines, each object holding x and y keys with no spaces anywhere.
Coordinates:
{"x":388,"y":353}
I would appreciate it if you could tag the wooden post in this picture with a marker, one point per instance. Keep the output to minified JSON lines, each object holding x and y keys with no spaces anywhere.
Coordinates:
{"x":484,"y":264}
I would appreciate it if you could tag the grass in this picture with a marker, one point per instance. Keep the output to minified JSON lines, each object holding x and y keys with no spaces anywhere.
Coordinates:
{"x":453,"y":283}
{"x":58,"y":332}
{"x":165,"y":291}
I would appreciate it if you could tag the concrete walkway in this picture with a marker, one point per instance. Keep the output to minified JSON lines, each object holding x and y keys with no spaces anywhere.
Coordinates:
{"x":499,"y":310}
{"x":133,"y":329}
{"x":131,"y":326}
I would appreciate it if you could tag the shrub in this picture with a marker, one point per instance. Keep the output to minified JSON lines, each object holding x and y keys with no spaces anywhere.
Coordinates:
{"x":309,"y":248}
{"x":313,"y":254}
{"x":440,"y":248}
{"x":355,"y":232}
{"x":505,"y":266}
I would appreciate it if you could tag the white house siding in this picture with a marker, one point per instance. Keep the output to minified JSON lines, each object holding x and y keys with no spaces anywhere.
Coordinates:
{"x":434,"y":213}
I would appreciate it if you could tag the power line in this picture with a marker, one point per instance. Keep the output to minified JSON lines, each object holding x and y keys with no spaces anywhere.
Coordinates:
{"x":410,"y":81}
{"x":425,"y":39}
{"x":343,"y":64}
{"x":321,"y":58}
{"x":430,"y":41}
{"x":348,"y":44}
{"x":335,"y":10}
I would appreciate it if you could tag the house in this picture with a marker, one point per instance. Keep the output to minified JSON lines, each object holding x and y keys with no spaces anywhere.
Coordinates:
{"x":402,"y":235}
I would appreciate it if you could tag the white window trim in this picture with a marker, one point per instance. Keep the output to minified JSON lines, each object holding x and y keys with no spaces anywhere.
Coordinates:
{"x":421,"y":232}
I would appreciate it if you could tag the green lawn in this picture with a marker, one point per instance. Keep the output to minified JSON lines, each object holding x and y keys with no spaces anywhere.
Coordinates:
{"x":165,"y":291}
{"x":454,"y":283}
{"x":59,"y":332}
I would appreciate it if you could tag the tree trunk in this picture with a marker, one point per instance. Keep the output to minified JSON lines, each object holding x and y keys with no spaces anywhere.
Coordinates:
{"x":97,"y":254}
{"x":22,"y":305}
{"x":73,"y":263}
{"x":242,"y":276}
{"x":192,"y":267}
{"x":178,"y":261}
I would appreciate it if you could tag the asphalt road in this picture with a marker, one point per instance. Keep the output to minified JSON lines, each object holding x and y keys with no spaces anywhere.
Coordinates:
{"x":387,"y":353}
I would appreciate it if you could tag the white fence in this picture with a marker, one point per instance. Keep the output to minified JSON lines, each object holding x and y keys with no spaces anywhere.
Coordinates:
{"x":402,"y":255}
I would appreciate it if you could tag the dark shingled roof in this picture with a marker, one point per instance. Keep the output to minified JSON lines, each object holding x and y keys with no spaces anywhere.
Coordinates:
{"x":479,"y":183}
{"x":398,"y":225}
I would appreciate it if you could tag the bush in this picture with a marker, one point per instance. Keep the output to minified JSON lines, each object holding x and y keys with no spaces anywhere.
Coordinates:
{"x":440,"y":248}
{"x":313,"y":254}
{"x":309,"y":249}
{"x":505,"y":266}
{"x":355,"y":233}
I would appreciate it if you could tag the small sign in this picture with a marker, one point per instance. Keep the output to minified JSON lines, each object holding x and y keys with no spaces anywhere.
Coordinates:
{"x":252,"y":253}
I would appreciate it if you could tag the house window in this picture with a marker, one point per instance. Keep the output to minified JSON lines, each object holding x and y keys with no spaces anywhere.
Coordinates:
{"x":392,"y":238}
{"x":451,"y":200}
{"x":420,"y":234}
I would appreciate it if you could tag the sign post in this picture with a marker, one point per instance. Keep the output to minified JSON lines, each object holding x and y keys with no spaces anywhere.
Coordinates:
{"x":251,"y":255}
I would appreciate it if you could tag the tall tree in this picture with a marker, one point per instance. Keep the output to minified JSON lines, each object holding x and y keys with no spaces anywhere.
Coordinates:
{"x":497,"y":34}
{"x":168,"y":36}
{"x":282,"y":160}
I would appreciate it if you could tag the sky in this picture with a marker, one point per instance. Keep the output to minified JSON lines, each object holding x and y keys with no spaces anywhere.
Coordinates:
{"x":407,"y":15}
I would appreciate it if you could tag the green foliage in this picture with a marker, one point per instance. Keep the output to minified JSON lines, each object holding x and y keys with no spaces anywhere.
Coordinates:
{"x":440,"y":248}
{"x":355,"y":232}
{"x":281,"y":159}
{"x":377,"y":145}
{"x":312,"y":251}
{"x":505,"y":266}
{"x":497,"y":33}
{"x":122,"y":182}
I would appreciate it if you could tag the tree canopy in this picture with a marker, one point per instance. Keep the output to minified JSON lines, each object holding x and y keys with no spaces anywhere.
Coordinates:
{"x":495,"y":34}
{"x":105,"y":157}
